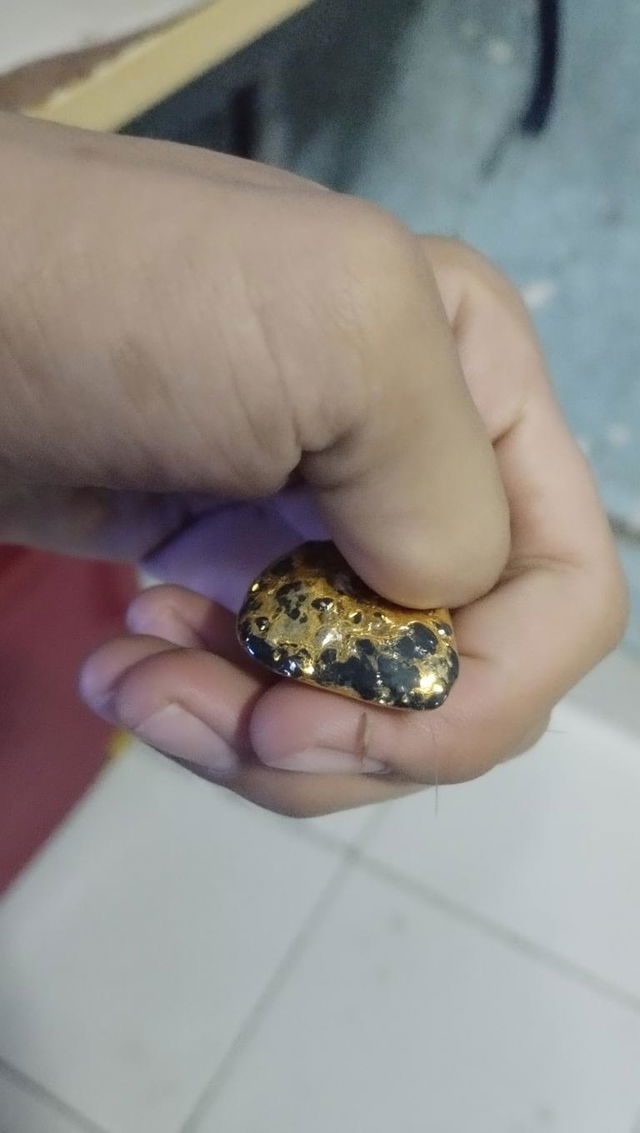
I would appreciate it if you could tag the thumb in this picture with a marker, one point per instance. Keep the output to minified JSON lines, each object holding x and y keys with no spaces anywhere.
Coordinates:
{"x":411,"y":491}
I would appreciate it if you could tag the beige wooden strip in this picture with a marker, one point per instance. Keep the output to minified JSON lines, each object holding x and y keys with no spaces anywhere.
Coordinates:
{"x":158,"y":65}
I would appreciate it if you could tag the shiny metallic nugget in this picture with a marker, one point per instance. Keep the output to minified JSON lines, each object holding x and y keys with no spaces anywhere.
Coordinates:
{"x":309,"y":617}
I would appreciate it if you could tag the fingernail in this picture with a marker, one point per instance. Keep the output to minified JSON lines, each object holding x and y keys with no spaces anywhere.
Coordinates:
{"x":328,"y":760}
{"x":177,"y":732}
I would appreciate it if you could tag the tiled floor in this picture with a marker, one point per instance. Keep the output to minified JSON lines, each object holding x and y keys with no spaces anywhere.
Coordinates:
{"x":177,"y":961}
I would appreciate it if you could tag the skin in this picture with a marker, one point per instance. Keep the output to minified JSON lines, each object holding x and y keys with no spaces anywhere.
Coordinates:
{"x":206,"y":361}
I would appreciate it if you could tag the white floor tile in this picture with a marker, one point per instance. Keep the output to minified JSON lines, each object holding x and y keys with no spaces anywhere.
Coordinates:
{"x":23,"y":1111}
{"x":133,"y":949}
{"x":548,"y":846}
{"x":400,"y":1018}
{"x":348,"y":827}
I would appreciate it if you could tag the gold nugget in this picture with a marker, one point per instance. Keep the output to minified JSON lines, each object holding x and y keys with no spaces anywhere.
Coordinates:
{"x":308,"y":616}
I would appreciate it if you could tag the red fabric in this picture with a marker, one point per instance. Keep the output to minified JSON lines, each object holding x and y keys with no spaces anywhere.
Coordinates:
{"x":53,"y":611}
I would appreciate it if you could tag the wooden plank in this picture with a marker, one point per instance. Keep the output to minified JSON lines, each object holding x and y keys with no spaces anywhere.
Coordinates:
{"x":156,"y":66}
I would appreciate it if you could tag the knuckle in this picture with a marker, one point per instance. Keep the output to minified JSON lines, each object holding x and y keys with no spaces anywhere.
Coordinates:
{"x":383,"y":268}
{"x":373,"y":230}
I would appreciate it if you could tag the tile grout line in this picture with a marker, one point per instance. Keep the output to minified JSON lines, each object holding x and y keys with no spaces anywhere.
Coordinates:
{"x":465,"y":914}
{"x":334,"y":841}
{"x":37,"y":1090}
{"x":274,"y":985}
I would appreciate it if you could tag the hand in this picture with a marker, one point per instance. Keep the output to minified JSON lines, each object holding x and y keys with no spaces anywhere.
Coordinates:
{"x":181,"y":332}
{"x":560,"y":606}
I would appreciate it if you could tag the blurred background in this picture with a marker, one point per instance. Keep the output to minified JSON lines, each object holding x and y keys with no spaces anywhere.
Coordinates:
{"x":173,"y":960}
